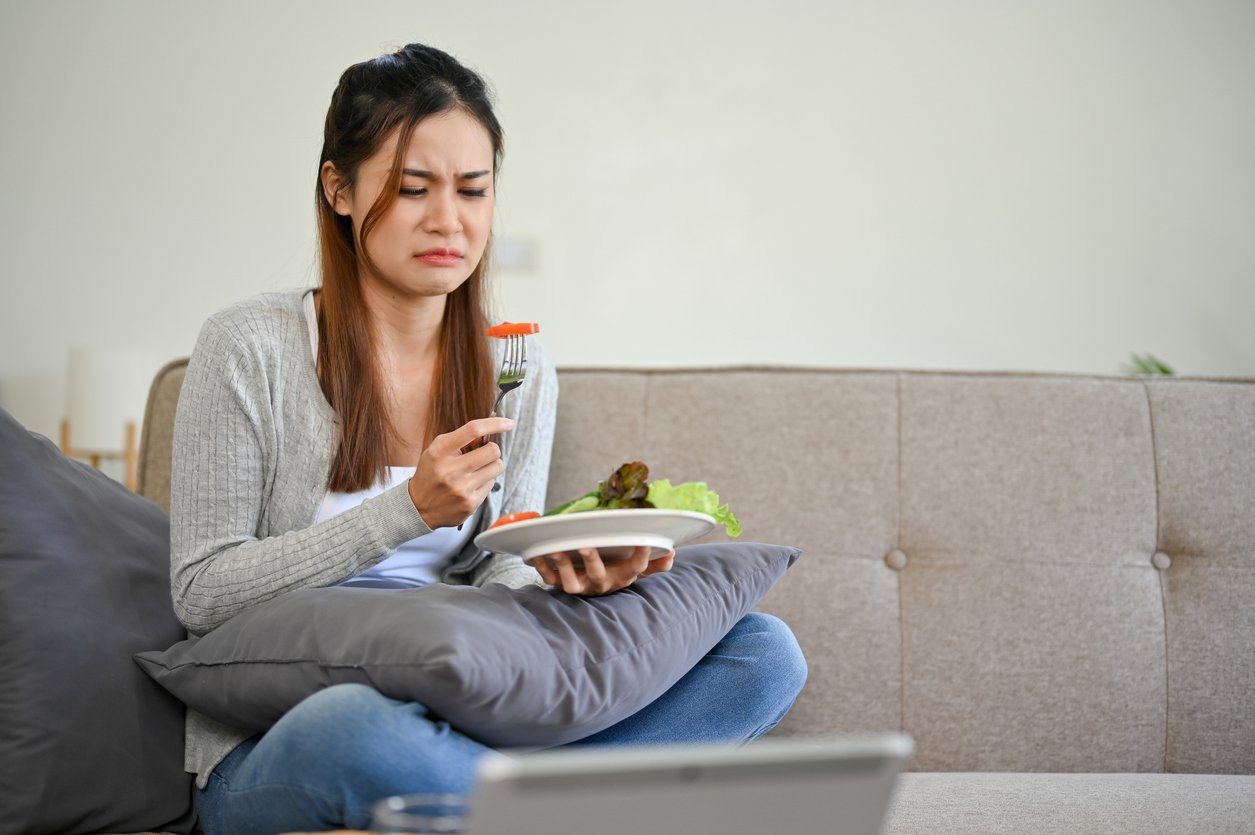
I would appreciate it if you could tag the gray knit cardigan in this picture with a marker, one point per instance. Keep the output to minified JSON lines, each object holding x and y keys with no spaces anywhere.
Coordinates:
{"x":253,"y":444}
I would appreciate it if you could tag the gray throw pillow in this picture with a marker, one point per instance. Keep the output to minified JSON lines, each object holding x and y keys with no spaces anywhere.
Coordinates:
{"x":509,"y":667}
{"x":87,"y":742}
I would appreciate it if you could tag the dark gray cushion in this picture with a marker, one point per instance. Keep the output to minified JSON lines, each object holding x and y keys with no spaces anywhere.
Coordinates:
{"x":510,"y":667}
{"x":88,"y":743}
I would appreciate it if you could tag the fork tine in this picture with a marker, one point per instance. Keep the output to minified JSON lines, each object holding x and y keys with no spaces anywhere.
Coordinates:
{"x":513,"y":367}
{"x":512,"y":361}
{"x":521,"y":368}
{"x":511,"y":356}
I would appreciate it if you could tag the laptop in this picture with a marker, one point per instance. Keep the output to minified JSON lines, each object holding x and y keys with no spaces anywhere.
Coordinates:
{"x":791,"y":786}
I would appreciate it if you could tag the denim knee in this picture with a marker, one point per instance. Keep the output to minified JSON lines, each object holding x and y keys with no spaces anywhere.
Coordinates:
{"x":780,"y":658}
{"x":353,"y":710}
{"x":368,"y":746}
{"x":340,"y":697}
{"x":344,"y":721}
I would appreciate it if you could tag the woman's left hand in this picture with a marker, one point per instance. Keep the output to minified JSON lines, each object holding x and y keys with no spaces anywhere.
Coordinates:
{"x":583,"y":572}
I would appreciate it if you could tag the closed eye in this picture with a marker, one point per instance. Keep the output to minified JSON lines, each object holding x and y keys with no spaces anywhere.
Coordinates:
{"x":418,"y":191}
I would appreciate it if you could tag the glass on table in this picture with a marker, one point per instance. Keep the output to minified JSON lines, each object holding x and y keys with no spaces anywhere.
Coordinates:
{"x":433,"y":813}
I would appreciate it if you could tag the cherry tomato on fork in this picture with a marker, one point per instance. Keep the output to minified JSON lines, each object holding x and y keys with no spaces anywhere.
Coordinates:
{"x":505,"y":329}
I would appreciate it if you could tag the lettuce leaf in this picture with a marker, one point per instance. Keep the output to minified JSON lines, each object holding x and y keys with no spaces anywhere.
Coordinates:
{"x":629,"y":486}
{"x":693,"y":495}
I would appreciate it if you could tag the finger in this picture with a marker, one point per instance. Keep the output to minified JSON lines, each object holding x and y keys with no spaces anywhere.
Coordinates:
{"x":545,"y":570}
{"x":570,"y":579}
{"x":639,"y":559}
{"x":619,"y":575}
{"x":468,"y":474}
{"x":480,"y":490}
{"x":476,"y":429}
{"x":476,"y":462}
{"x":461,"y":488}
{"x":548,"y":565}
{"x":659,"y":565}
{"x":469,"y":432}
{"x":594,"y":567}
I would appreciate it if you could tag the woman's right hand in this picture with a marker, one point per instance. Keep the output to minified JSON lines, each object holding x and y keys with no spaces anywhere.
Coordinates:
{"x":449,"y":484}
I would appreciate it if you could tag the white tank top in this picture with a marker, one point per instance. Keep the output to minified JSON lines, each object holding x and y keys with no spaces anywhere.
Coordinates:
{"x":418,"y":562}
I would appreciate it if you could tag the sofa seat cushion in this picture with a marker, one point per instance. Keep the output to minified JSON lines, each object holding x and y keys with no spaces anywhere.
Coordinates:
{"x":977,"y":803}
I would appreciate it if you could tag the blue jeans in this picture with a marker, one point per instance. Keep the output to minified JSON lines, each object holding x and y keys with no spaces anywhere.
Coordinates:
{"x":324,"y":763}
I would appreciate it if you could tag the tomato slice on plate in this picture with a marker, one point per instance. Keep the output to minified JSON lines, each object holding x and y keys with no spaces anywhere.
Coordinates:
{"x":514,"y":517}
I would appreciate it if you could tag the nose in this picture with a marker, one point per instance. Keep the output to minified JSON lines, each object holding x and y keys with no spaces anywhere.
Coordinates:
{"x":441,"y":217}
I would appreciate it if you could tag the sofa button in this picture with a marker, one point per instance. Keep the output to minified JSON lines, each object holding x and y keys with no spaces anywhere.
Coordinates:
{"x":895,"y":559}
{"x":1161,"y":561}
{"x":496,"y":485}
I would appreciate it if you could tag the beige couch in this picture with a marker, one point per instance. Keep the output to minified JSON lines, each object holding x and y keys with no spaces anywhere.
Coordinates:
{"x":1048,"y":580}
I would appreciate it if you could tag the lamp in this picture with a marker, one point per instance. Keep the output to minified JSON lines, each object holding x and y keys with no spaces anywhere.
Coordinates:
{"x":106,"y":391}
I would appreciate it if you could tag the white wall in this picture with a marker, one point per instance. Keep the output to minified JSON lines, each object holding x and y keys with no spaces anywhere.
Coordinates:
{"x":1020,"y":185}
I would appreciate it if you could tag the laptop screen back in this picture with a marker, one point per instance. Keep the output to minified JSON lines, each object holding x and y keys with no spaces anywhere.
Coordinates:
{"x":797,"y":786}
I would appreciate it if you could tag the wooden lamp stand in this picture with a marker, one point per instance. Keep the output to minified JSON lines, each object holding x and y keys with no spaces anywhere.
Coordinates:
{"x":129,"y":454}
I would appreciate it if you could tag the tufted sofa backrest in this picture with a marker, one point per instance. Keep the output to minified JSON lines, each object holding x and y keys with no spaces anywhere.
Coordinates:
{"x":1026,"y":572}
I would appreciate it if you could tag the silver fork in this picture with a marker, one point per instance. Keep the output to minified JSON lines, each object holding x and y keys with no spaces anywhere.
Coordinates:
{"x":513,"y":367}
{"x":513,"y":370}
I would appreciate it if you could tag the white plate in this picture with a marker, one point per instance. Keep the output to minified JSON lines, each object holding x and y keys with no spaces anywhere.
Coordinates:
{"x":614,"y":533}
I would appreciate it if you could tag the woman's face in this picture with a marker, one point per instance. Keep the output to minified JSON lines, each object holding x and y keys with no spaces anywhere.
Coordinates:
{"x":434,"y":234}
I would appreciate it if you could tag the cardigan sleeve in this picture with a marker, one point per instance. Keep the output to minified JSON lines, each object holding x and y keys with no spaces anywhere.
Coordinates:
{"x":228,"y":444}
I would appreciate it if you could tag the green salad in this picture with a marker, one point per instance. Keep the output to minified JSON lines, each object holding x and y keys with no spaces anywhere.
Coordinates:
{"x":629,"y":486}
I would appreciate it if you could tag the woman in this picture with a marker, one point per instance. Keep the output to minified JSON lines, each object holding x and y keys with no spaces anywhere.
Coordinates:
{"x":334,"y":437}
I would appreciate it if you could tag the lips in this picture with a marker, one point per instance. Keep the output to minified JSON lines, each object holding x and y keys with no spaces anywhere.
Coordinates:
{"x":440,"y":256}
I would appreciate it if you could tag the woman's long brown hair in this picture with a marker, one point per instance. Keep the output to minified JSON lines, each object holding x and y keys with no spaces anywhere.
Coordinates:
{"x":373,"y":99}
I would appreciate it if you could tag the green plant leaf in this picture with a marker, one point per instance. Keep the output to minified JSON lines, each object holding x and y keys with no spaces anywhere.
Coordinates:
{"x":1147,"y":364}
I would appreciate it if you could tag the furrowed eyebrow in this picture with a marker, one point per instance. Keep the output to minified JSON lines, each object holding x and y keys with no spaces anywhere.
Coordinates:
{"x":427,"y":175}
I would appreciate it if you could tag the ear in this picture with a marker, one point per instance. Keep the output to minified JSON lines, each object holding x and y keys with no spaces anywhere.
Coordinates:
{"x":334,"y":188}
